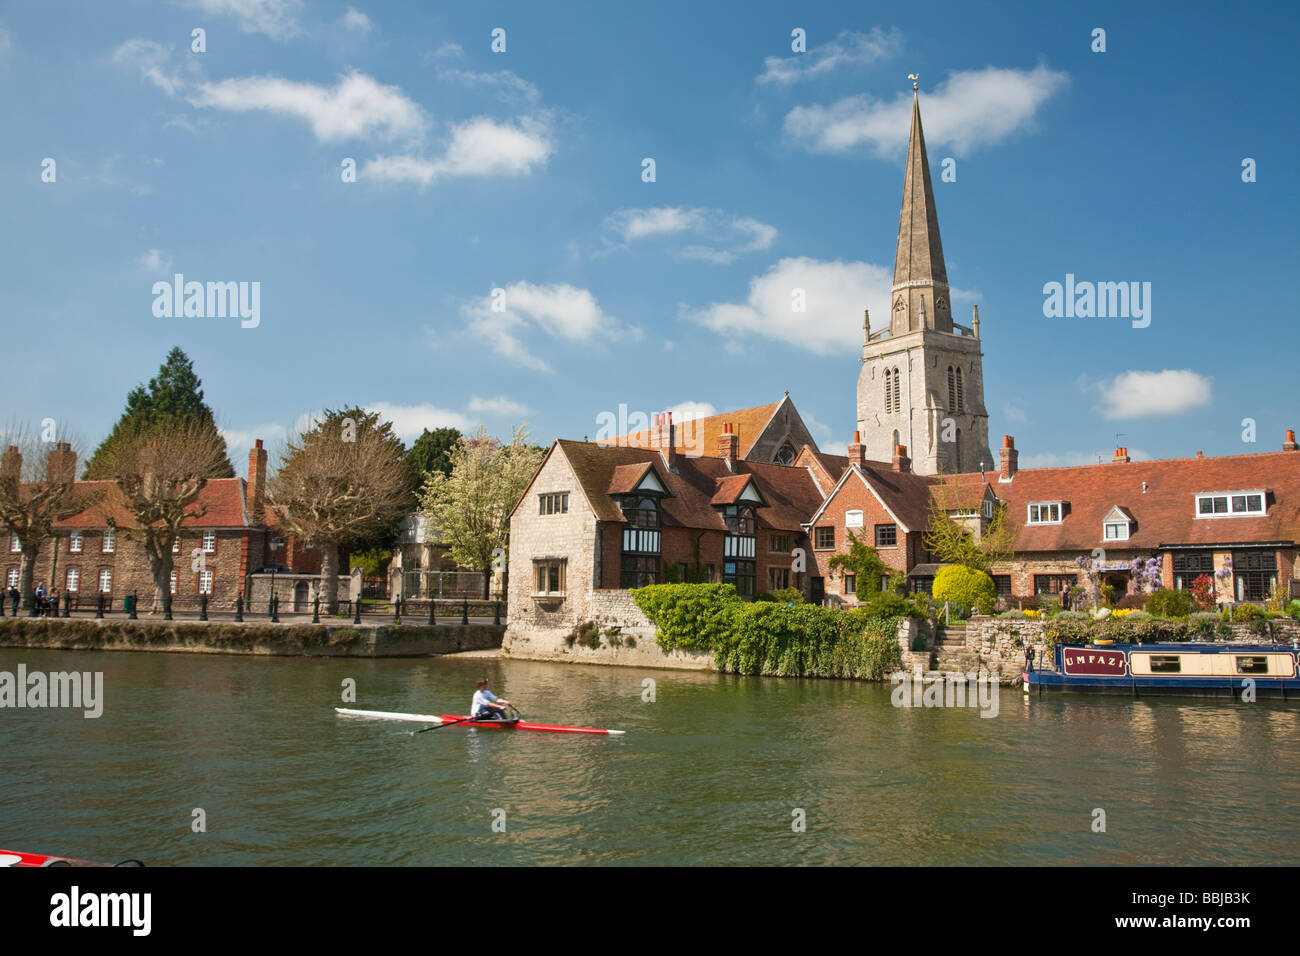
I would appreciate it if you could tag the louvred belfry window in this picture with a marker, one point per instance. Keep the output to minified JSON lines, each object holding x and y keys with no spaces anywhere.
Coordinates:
{"x":897,"y":405}
{"x":889,"y":395}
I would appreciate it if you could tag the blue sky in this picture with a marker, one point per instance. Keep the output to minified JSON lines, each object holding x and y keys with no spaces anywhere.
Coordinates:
{"x":522,"y":171}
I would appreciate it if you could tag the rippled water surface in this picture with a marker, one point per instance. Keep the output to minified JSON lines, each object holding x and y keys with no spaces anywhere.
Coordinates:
{"x":709,"y":773}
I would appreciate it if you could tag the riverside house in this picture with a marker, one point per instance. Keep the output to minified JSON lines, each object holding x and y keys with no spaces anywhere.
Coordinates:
{"x":235,"y":537}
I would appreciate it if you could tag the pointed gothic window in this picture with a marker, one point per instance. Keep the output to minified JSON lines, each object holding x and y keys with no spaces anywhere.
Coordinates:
{"x":898,"y":407}
{"x":961,"y":398}
{"x":952,"y":388}
{"x":889,"y":398}
{"x":956,"y":449}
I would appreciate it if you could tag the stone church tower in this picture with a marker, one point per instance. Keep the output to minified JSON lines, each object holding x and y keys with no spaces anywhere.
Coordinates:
{"x":922,"y":381}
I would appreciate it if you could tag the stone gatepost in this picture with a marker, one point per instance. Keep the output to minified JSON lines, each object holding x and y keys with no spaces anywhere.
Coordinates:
{"x":355,"y":588}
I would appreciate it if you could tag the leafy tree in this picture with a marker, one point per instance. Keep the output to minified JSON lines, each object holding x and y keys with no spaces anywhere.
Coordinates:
{"x":470,"y":508}
{"x":950,"y":543}
{"x":343,"y":481}
{"x":160,"y":469}
{"x":864,"y":561}
{"x":432,"y":452}
{"x":37,"y":490}
{"x":174,"y":393}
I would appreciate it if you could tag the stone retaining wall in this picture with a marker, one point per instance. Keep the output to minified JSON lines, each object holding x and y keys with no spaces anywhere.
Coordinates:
{"x":304,"y":640}
{"x":625,"y":637}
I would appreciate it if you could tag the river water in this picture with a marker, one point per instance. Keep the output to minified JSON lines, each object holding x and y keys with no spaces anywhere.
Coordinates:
{"x":714,"y":771}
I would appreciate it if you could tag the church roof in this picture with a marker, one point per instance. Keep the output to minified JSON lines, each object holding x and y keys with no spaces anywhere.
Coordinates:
{"x":699,"y":436}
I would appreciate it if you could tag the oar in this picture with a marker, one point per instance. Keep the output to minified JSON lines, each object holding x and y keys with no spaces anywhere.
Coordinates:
{"x":425,"y":730}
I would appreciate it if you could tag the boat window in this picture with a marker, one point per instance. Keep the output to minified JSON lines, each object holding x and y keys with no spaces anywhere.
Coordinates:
{"x":1252,"y":665}
{"x":1172,"y":664}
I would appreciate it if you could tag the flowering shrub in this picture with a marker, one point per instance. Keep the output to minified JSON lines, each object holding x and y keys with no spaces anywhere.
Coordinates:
{"x":1203,"y":591}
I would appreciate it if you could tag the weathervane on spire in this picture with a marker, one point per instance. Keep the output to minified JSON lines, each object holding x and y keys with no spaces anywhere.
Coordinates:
{"x":914,"y":77}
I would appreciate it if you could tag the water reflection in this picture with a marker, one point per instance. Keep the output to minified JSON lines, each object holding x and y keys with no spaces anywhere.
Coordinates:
{"x":711,"y":772}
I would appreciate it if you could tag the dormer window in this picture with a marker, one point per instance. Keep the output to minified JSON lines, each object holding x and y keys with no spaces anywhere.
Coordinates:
{"x":1045,"y":512}
{"x":1231,"y":504}
{"x":1117,"y":525}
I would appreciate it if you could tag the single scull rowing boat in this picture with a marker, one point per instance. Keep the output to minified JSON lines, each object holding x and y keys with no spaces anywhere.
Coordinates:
{"x":466,"y":722}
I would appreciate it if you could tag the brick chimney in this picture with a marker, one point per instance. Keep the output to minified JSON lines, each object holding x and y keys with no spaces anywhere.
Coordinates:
{"x":1290,"y":444}
{"x":256,"y":496}
{"x":728,"y":444}
{"x":61,"y":464}
{"x":900,"y":461}
{"x":11,"y":464}
{"x":857,"y":451}
{"x":1120,"y":457}
{"x":670,"y":442}
{"x":1010,"y":458}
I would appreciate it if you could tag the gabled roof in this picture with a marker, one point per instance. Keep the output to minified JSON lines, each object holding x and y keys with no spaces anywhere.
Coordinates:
{"x":789,"y":493}
{"x":735,"y":488}
{"x":636,"y":475}
{"x":904,"y":495}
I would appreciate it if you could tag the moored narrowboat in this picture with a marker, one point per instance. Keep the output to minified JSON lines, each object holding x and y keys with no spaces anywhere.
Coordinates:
{"x":1187,"y":670}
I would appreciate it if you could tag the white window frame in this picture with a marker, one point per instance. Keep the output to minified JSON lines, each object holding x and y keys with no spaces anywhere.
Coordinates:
{"x":1107,"y":525}
{"x":1228,"y":496}
{"x":206,"y":579}
{"x":12,"y":577}
{"x":105,"y":573}
{"x":108,"y":544}
{"x":176,"y":545}
{"x":853,"y":519}
{"x":172,"y":582}
{"x":72,"y":580}
{"x":209,"y":542}
{"x":74,"y":542}
{"x":1029,"y":512}
{"x":15,"y":545}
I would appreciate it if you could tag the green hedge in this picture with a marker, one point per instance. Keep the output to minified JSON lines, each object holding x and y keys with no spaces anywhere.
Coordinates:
{"x":73,"y":632}
{"x":771,"y":638}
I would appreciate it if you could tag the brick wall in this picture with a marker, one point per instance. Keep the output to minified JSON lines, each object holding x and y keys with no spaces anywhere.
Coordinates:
{"x":854,"y":495}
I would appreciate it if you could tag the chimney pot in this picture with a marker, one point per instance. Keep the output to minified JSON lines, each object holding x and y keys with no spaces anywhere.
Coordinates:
{"x":1010,"y":458}
{"x":900,"y":460}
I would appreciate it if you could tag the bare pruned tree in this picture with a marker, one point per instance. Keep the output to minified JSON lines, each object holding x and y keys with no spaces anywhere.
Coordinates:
{"x":38,"y":489}
{"x":340,"y":480}
{"x":160,"y":471}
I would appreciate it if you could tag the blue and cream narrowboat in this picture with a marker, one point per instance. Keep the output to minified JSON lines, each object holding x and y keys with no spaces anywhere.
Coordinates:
{"x":1189,"y":670}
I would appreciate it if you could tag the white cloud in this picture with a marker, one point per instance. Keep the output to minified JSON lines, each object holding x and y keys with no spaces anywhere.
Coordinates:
{"x":1074,"y":458}
{"x":354,"y":19}
{"x":447,"y":51}
{"x":409,"y":421}
{"x":6,"y":40}
{"x":356,"y":106}
{"x":478,"y":147}
{"x":152,"y":60}
{"x":847,"y":49}
{"x":689,"y":411}
{"x":1013,"y":412}
{"x":240,"y":440}
{"x":275,"y":18}
{"x":503,"y":83}
{"x":500,"y":405}
{"x":154,"y":261}
{"x":970,"y":109}
{"x":561,"y":311}
{"x":728,"y":236}
{"x":1137,"y":394}
{"x":834,"y":293}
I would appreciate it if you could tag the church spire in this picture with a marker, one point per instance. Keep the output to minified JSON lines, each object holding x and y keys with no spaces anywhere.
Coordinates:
{"x":919,"y":271}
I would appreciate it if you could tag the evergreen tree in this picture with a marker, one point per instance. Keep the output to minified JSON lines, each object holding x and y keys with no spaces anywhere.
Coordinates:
{"x":432,"y":452}
{"x":175,"y":393}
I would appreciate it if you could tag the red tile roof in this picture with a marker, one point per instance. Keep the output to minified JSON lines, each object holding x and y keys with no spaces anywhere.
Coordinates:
{"x":699,"y":436}
{"x":1165,"y":513}
{"x":223,"y":499}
